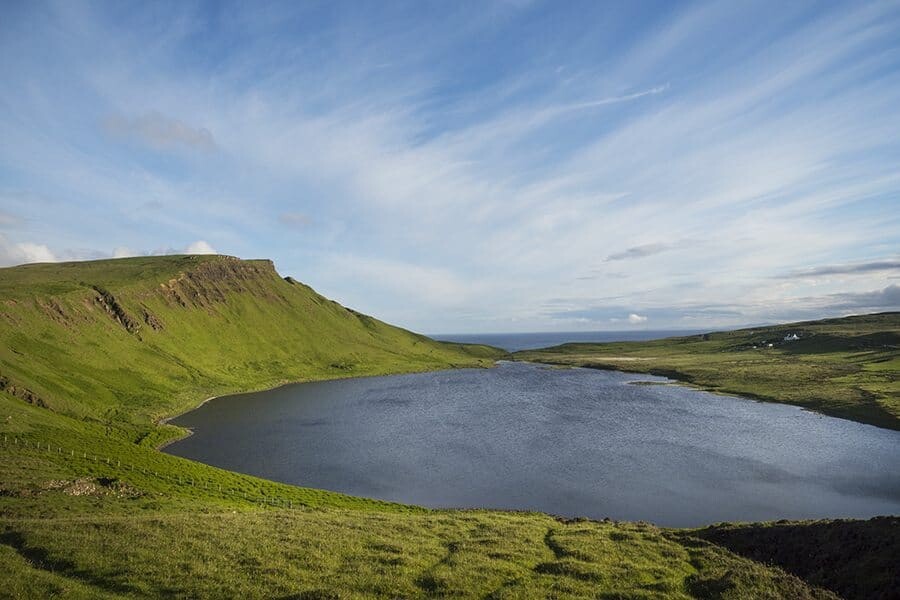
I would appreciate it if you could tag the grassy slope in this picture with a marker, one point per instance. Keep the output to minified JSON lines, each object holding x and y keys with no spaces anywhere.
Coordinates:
{"x":847,"y":367}
{"x":150,"y":337}
{"x":86,"y":373}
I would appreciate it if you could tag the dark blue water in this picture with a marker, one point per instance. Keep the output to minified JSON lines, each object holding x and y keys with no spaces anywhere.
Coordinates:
{"x":564,"y":441}
{"x":529,"y":341}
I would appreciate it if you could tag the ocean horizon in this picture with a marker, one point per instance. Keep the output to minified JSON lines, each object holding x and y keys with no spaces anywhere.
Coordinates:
{"x":513,"y":342}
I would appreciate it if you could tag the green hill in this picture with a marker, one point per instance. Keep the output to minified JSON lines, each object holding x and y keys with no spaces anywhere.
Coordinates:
{"x":95,"y":354}
{"x":144,"y":338}
{"x":847,"y":367}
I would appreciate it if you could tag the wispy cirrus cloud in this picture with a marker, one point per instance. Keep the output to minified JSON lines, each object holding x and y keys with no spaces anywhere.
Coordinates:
{"x":160,"y":132}
{"x":856,"y":268}
{"x":459,"y":182}
{"x":645,"y":250}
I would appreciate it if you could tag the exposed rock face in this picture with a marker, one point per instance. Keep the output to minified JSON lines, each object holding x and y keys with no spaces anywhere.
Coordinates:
{"x":53,"y":309}
{"x":152,"y":320}
{"x":209,"y":283}
{"x":112,"y":307}
{"x":200,"y":286}
{"x":20,"y":392}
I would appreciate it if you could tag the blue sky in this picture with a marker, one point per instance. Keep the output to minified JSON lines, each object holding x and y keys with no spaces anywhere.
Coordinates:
{"x":466,"y":167}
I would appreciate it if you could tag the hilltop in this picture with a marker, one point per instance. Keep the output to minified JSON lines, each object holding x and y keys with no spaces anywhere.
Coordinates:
{"x":95,"y":355}
{"x":847,"y":367}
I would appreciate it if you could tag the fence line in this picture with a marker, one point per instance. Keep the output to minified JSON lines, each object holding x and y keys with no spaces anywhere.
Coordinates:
{"x":181,"y":480}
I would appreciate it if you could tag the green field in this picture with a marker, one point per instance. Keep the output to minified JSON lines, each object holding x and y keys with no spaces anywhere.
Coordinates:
{"x":95,"y":355}
{"x":848,"y":367}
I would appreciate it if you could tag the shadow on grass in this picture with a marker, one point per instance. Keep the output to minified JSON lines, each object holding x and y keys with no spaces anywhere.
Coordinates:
{"x":39,"y":558}
{"x":855,"y":559}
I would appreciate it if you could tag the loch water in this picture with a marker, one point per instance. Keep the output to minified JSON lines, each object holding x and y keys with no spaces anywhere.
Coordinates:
{"x":572,"y":442}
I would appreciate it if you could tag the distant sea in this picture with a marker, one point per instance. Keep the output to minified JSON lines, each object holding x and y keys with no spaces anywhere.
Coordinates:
{"x":513,"y":342}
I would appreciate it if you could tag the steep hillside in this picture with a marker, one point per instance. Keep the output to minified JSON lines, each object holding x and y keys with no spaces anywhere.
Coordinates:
{"x":142,"y":338}
{"x":848,"y":367}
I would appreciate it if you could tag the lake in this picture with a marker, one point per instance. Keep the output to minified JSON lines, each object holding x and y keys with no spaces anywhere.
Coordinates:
{"x":573,"y":442}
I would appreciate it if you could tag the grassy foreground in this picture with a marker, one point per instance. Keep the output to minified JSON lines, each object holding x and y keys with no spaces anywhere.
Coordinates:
{"x":351,"y":554}
{"x":94,"y":354}
{"x":848,"y":367}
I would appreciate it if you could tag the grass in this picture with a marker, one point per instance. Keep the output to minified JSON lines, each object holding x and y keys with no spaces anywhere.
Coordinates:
{"x":351,"y":554}
{"x":848,"y":367}
{"x":95,"y":354}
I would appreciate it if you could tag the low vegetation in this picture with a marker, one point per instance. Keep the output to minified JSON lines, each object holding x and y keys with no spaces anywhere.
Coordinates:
{"x":95,"y":355}
{"x":847,"y":367}
{"x":352,"y":554}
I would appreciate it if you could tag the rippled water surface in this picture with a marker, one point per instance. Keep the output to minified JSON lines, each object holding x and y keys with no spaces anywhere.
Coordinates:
{"x":564,"y":441}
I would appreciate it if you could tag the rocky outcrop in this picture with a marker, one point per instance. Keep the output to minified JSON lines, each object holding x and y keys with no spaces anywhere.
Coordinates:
{"x":108,"y":303}
{"x":209,"y":283}
{"x":152,"y":320}
{"x":20,"y":392}
{"x":53,"y":309}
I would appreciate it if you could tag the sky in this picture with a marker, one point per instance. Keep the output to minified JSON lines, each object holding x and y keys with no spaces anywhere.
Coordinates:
{"x":460,"y":167}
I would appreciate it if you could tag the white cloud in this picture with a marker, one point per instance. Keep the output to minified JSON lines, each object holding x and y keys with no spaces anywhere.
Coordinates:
{"x":199,"y":247}
{"x":634,"y":319}
{"x":24,"y":252}
{"x":123,"y":252}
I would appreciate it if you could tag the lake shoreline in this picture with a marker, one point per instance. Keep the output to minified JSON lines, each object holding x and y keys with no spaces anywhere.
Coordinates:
{"x":370,"y":439}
